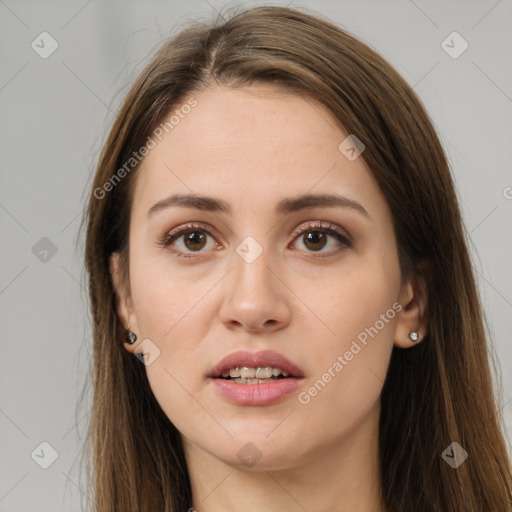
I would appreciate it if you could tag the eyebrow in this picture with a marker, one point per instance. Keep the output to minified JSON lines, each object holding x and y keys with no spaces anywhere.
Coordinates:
{"x":285,"y":206}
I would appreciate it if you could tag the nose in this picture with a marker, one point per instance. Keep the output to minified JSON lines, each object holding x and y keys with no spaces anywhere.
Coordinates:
{"x":256,"y":298}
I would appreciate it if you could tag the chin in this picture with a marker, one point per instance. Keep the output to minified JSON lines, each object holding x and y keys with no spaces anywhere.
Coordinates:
{"x":254,"y":459}
{"x":258,"y":451}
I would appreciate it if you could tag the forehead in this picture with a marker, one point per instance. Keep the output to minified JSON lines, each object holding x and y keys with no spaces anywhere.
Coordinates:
{"x":250,"y":145}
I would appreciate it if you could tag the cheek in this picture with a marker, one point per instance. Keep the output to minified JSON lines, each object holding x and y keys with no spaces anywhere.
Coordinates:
{"x":163,"y":295}
{"x":170,"y":314}
{"x":359,"y":309}
{"x":354,"y":299}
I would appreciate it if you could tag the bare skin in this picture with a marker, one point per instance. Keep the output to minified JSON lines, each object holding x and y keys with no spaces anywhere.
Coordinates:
{"x":307,"y":300}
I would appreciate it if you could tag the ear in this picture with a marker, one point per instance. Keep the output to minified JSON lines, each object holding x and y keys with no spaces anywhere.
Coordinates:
{"x":124,"y":301}
{"x":413,"y":315}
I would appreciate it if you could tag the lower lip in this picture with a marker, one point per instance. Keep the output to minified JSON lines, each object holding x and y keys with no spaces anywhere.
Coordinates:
{"x":256,"y":394}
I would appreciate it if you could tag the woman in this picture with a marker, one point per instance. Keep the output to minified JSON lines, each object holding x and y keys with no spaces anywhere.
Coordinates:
{"x":285,"y":316}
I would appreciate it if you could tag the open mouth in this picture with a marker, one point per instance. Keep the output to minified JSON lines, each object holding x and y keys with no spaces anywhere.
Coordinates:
{"x":259,"y":375}
{"x":260,"y":378}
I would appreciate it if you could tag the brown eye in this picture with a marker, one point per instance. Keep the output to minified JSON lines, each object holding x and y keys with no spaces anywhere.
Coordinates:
{"x":186,"y":240}
{"x":315,"y":240}
{"x":194,"y":240}
{"x":316,"y":235}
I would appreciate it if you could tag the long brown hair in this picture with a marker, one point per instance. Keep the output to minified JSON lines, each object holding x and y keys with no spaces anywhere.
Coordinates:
{"x":436,"y":393}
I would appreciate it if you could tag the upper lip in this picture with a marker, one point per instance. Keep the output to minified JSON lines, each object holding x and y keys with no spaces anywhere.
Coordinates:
{"x":255,"y":360}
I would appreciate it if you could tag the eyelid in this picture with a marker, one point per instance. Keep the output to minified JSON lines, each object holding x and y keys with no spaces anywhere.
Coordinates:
{"x":190,"y":226}
{"x":316,"y":225}
{"x":169,"y":237}
{"x":321,"y":226}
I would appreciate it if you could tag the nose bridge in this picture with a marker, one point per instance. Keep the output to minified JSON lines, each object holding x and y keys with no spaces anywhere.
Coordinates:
{"x":255,"y":296}
{"x":254,"y":249}
{"x":253,"y":262}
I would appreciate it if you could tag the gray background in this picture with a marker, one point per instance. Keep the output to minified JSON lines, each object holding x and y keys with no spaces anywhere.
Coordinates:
{"x":55,"y":116}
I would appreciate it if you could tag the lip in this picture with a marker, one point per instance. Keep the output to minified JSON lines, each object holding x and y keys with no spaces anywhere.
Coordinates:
{"x":256,"y":394}
{"x":255,"y":360}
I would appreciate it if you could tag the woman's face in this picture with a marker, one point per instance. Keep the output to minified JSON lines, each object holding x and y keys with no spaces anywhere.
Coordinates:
{"x":259,"y":275}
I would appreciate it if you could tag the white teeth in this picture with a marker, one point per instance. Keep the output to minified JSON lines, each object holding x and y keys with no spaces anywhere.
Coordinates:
{"x":248,"y":374}
{"x":253,"y":381}
{"x":264,"y":373}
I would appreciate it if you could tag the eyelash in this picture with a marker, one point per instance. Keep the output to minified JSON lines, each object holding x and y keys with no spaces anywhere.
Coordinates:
{"x":329,"y":229}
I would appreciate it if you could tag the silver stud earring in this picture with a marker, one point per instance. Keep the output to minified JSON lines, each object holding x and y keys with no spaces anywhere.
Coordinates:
{"x":414,"y":336}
